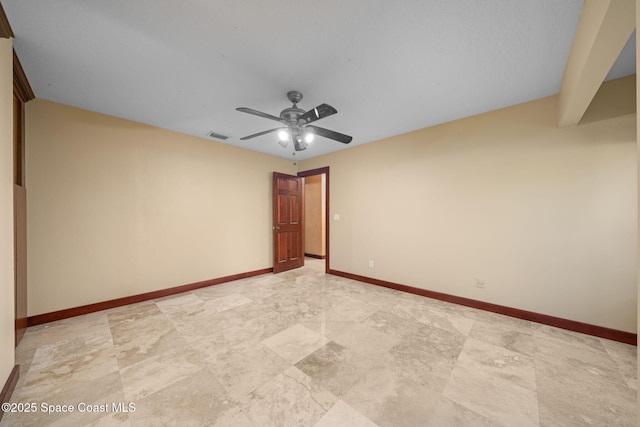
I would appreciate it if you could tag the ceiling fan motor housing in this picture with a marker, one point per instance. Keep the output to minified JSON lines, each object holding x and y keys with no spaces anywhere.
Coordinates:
{"x":291,"y":115}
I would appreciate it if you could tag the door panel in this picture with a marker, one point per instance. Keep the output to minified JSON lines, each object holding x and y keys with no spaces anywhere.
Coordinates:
{"x":288,"y":222}
{"x":294,"y":249}
{"x":281,"y":215}
{"x":283,"y":247}
{"x":294,"y":210}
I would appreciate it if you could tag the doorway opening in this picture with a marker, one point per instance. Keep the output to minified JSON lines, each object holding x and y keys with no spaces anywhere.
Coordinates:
{"x":316,"y":233}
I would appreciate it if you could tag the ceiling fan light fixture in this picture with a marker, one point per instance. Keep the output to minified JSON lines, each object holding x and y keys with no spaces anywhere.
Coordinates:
{"x":308,"y":137}
{"x":299,"y":144}
{"x":283,"y":135}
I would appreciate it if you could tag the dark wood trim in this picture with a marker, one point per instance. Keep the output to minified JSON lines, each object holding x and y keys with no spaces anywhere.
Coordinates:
{"x":105,"y":305}
{"x":314,"y":256}
{"x":20,"y":261}
{"x":5,"y":28}
{"x":312,"y":172}
{"x":18,"y":141}
{"x":558,"y":322}
{"x":9,"y":386}
{"x":325,"y":171}
{"x":21,"y":86}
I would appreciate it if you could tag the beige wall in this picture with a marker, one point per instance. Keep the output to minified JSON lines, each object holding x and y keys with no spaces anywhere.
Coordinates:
{"x":314,"y":208}
{"x":546,"y":217}
{"x":7,"y":320}
{"x":118,"y":208}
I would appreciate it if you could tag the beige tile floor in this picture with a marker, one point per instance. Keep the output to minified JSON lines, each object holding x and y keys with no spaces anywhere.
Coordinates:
{"x":307,"y":349}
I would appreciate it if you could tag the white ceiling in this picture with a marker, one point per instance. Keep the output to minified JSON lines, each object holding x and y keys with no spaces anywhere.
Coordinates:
{"x":388,"y":67}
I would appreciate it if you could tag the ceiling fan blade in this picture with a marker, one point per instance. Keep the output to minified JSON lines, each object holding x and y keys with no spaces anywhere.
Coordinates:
{"x":261,"y":133}
{"x":320,"y":112}
{"x":337,"y":136}
{"x":259,"y":113}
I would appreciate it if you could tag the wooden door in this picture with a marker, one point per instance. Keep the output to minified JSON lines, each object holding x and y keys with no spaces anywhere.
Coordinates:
{"x":288,"y":222}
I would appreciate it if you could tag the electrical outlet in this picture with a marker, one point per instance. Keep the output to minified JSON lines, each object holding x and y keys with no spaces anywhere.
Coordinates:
{"x":480,"y":283}
{"x":370,"y":263}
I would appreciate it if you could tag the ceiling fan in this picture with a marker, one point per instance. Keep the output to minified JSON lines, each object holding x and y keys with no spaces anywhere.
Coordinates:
{"x":297,"y":127}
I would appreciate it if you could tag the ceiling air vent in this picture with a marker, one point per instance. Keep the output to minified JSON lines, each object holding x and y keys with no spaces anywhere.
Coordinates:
{"x":215,"y":135}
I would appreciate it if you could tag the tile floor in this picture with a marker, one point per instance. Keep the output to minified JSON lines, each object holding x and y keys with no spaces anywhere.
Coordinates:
{"x":307,"y":349}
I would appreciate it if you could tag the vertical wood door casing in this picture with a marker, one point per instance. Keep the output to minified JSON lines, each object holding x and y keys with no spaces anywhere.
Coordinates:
{"x":20,"y":259}
{"x":288,"y":222}
{"x":19,"y":217}
{"x":18,"y":141}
